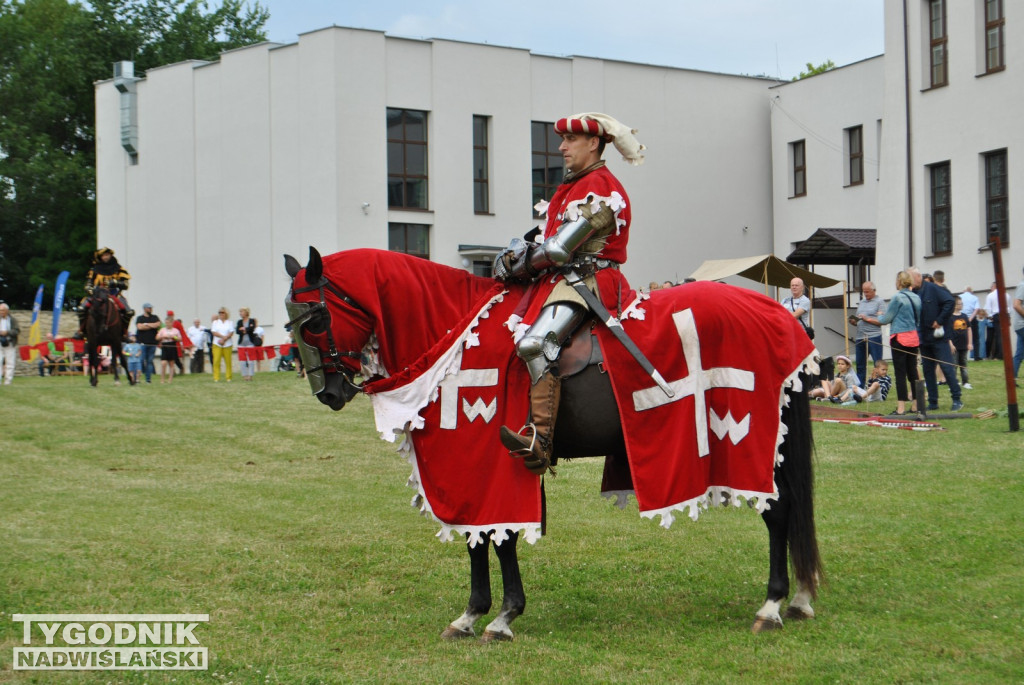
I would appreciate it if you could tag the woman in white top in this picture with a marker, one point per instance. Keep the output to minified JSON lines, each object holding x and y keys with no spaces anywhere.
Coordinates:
{"x":222,"y":330}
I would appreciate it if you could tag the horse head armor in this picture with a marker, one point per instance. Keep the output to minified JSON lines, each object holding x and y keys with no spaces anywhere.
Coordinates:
{"x":310,"y":317}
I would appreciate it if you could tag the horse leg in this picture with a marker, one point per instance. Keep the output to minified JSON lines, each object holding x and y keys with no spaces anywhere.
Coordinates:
{"x":800,"y":606}
{"x":479,"y":594}
{"x":94,"y":362}
{"x":777,"y":520}
{"x":790,"y":521}
{"x":514,"y":601}
{"x":127,"y":373}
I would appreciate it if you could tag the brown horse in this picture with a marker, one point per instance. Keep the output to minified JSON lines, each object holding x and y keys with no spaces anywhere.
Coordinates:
{"x":103,"y":327}
{"x":339,"y":304}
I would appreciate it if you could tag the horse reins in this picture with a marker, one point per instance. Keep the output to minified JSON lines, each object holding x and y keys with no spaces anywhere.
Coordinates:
{"x":336,"y":356}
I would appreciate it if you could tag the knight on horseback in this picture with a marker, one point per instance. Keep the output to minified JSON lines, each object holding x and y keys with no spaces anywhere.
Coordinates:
{"x":586,"y":233}
{"x":106,"y":272}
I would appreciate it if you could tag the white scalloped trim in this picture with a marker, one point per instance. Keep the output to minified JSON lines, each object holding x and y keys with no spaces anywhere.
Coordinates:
{"x":615,"y":202}
{"x":634,"y":310}
{"x":715,"y":496}
{"x":518,"y":328}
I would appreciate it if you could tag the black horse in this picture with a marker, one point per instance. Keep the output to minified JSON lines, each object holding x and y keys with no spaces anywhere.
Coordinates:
{"x":103,"y":326}
{"x":332,"y":326}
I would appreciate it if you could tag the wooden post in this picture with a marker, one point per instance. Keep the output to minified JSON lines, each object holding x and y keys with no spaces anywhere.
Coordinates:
{"x":996,"y":246}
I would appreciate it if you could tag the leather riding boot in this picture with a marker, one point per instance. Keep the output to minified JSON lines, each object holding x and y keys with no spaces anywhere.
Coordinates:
{"x":126,"y":321}
{"x":535,"y":446}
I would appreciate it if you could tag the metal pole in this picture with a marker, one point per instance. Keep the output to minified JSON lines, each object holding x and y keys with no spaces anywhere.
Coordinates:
{"x":996,"y":246}
{"x":846,"y":319}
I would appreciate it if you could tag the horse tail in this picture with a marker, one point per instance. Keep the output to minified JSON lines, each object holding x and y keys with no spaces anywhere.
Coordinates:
{"x":798,"y":472}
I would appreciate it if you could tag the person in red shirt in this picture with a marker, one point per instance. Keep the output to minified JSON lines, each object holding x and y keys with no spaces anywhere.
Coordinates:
{"x":587,"y":229}
{"x":184,"y":342}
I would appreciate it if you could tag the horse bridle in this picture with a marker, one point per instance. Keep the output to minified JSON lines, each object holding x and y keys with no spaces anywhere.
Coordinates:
{"x":312,"y":359}
{"x":102,"y":296}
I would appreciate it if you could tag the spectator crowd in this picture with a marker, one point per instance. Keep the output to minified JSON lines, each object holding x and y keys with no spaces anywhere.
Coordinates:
{"x":933,"y":334}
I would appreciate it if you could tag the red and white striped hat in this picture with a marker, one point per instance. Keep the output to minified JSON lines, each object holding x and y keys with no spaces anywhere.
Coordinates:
{"x":608,"y":128}
{"x":591,"y":127}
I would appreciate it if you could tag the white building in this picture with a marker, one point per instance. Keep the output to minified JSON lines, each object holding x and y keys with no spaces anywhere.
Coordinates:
{"x":209,"y":172}
{"x":933,"y":181}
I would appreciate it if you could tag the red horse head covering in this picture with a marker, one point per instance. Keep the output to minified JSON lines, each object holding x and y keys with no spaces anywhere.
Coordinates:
{"x":608,"y":128}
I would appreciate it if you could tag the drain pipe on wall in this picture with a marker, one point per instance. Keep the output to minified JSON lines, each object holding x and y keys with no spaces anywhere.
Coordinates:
{"x":909,"y":127}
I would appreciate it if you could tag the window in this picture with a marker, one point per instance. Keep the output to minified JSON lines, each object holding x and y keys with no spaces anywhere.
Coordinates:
{"x":548,"y":167}
{"x":997,"y":199}
{"x":481,"y":186}
{"x":483,"y":268}
{"x":941,"y":215}
{"x":407,"y":159}
{"x":799,"y":177}
{"x":994,"y":55}
{"x":855,"y":156}
{"x":858,"y":274}
{"x":413,"y":239}
{"x":937,"y":43}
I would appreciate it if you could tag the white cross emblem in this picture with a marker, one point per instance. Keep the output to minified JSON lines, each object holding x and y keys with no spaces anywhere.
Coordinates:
{"x":466,"y":378}
{"x":697,"y":384}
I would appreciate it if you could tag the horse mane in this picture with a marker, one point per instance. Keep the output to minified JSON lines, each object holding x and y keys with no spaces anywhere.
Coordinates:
{"x":413,"y":302}
{"x":103,"y":315}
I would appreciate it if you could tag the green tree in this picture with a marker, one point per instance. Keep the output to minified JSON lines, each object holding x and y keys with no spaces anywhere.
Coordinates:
{"x":814,"y":70}
{"x":51,"y":53}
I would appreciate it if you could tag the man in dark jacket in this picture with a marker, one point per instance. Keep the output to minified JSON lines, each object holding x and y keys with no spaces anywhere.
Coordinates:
{"x":936,"y":310}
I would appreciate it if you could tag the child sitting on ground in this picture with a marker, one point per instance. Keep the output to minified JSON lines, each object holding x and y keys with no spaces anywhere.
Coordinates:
{"x":878,"y":386}
{"x":845,"y":380}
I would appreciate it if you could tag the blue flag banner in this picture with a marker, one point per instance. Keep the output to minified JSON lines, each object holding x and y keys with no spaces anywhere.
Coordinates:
{"x":38,"y":305}
{"x":58,"y":300}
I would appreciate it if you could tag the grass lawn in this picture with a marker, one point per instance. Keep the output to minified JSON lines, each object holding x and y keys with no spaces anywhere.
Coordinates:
{"x":289,"y":524}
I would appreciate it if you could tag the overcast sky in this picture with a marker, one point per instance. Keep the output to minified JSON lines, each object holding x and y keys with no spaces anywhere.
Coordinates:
{"x":757,"y":37}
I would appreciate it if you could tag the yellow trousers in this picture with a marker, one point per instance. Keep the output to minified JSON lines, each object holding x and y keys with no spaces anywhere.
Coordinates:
{"x":220,"y":353}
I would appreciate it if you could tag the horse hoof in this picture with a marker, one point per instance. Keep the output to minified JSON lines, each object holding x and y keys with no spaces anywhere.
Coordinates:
{"x":490,"y":636}
{"x":797,"y":613}
{"x":453,"y":633}
{"x":763,"y":624}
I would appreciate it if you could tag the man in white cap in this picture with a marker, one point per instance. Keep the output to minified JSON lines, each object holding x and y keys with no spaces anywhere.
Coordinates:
{"x":586,"y":231}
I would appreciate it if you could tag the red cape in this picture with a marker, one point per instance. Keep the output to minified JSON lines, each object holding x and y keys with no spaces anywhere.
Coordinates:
{"x":729,"y":354}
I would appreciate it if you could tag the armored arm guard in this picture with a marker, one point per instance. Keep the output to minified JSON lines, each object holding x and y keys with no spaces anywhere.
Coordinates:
{"x":509,"y":263}
{"x":527,"y":261}
{"x":120,"y":280}
{"x":559,"y":249}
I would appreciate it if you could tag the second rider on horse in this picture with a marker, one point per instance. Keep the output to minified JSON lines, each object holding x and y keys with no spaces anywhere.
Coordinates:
{"x":105,"y":272}
{"x":586,"y":234}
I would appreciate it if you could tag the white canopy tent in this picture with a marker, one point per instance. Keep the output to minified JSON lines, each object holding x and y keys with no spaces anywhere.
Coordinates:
{"x":767,"y":269}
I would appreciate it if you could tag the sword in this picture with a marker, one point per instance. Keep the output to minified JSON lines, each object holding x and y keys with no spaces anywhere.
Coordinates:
{"x":615,"y":326}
